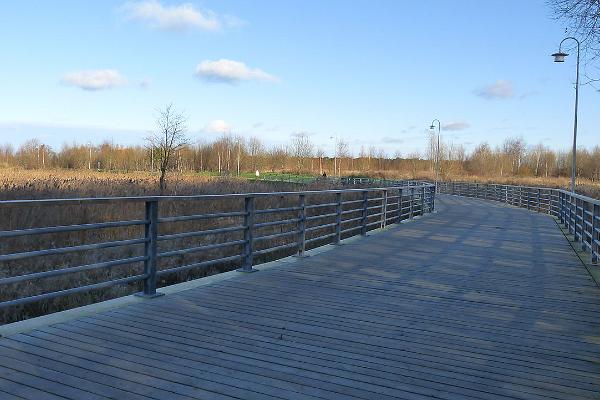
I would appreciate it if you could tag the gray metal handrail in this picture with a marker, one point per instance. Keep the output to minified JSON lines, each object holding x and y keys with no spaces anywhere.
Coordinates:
{"x":289,"y":222}
{"x":579,"y":214}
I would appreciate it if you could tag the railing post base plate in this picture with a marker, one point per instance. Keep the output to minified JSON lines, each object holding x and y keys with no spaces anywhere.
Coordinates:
{"x":247,"y":271}
{"x":148,"y":296}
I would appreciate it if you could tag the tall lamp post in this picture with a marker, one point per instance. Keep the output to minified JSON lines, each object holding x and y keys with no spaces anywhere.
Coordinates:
{"x":559,"y":58}
{"x":335,"y":150}
{"x":437,"y":150}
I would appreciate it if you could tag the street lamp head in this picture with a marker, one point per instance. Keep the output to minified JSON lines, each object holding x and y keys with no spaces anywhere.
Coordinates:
{"x":559,"y":57}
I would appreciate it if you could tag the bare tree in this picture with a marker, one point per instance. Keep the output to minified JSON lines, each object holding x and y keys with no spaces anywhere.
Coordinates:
{"x":302,"y":148}
{"x":320,"y":156}
{"x":583,"y":19}
{"x":170,"y":136}
{"x":342,"y":151}
{"x":256,"y":150}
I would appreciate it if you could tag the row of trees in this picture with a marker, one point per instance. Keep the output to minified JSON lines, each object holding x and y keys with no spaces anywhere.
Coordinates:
{"x":169,"y":148}
{"x":231,"y":155}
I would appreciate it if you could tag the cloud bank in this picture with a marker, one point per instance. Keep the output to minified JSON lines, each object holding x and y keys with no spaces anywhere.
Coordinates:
{"x":217,"y":126}
{"x":93,"y":80}
{"x":501,"y":89}
{"x":455,"y":126}
{"x":229,"y":71}
{"x":178,"y":18}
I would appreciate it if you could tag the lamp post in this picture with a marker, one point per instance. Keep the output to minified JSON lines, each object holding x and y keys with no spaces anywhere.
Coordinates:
{"x":89,"y":144}
{"x":559,"y":58}
{"x":335,"y":149}
{"x":437,"y":151}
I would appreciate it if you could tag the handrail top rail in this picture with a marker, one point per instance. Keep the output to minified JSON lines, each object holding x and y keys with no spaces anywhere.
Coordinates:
{"x":563,"y":191}
{"x":580,"y":196}
{"x":132,"y":199}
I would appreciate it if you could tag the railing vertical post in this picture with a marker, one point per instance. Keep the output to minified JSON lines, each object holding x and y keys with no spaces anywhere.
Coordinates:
{"x":248,"y":235}
{"x":595,"y":227}
{"x":412,"y":202}
{"x":584,"y":207}
{"x":301,"y":225}
{"x":539,"y":199}
{"x":422,"y":200}
{"x":365,"y":205}
{"x":570,"y":212}
{"x":384,"y":203}
{"x":150,"y":250}
{"x":575,"y":211}
{"x":561,"y":207}
{"x":521,"y":197}
{"x":400,"y":205}
{"x":338,"y":218}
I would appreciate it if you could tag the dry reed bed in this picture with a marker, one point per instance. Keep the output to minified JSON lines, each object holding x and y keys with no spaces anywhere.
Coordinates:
{"x":63,"y":185}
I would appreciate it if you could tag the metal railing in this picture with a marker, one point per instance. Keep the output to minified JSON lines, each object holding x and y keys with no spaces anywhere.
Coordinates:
{"x":233,"y":229}
{"x":342,"y":180}
{"x":579,"y":214}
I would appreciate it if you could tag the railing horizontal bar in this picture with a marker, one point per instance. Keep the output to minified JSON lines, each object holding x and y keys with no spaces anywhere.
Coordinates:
{"x":345,"y":221}
{"x":70,"y":228}
{"x":350,"y":229}
{"x":351,"y":211}
{"x":198,"y":265}
{"x":104,"y":200}
{"x":63,"y":250}
{"x":66,"y":292}
{"x":374,"y":223}
{"x":314,"y":228}
{"x":184,"y":235}
{"x":274,"y":223}
{"x":321,"y":238}
{"x":200,"y":248}
{"x":320,"y":205}
{"x":70,"y":270}
{"x":276,"y":235}
{"x":320,"y":216}
{"x":272,"y":249}
{"x":277,"y":210}
{"x":351,"y":202}
{"x":202,"y":216}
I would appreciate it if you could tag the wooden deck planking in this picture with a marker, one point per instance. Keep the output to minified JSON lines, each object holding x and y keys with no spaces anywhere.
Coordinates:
{"x":478,"y":301}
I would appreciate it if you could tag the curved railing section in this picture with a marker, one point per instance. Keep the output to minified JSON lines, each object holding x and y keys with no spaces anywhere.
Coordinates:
{"x":579,"y":214}
{"x":54,"y":248}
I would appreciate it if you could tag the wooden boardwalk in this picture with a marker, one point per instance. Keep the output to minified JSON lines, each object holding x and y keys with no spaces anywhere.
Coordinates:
{"x":478,"y":301}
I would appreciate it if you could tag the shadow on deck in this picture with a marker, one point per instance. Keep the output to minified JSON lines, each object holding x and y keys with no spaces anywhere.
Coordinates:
{"x":478,"y":301}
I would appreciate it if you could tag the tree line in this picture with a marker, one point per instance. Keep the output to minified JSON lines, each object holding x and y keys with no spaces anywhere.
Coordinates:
{"x":168,"y":148}
{"x":233,"y":155}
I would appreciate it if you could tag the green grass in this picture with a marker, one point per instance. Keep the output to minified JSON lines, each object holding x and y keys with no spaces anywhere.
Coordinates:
{"x":279,"y":176}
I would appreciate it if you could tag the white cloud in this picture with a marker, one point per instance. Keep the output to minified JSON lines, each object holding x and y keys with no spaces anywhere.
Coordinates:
{"x":455,"y":126}
{"x":94,"y":79}
{"x":229,"y":71}
{"x":392,"y":140}
{"x":180,"y":17}
{"x":499,"y":90}
{"x":217,"y":126}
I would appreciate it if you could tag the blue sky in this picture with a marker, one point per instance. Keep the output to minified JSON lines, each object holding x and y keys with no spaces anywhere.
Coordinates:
{"x":373,"y":72}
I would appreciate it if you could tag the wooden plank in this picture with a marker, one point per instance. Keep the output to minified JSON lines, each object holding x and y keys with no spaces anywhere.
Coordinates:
{"x":479,"y":301}
{"x":234,"y":343}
